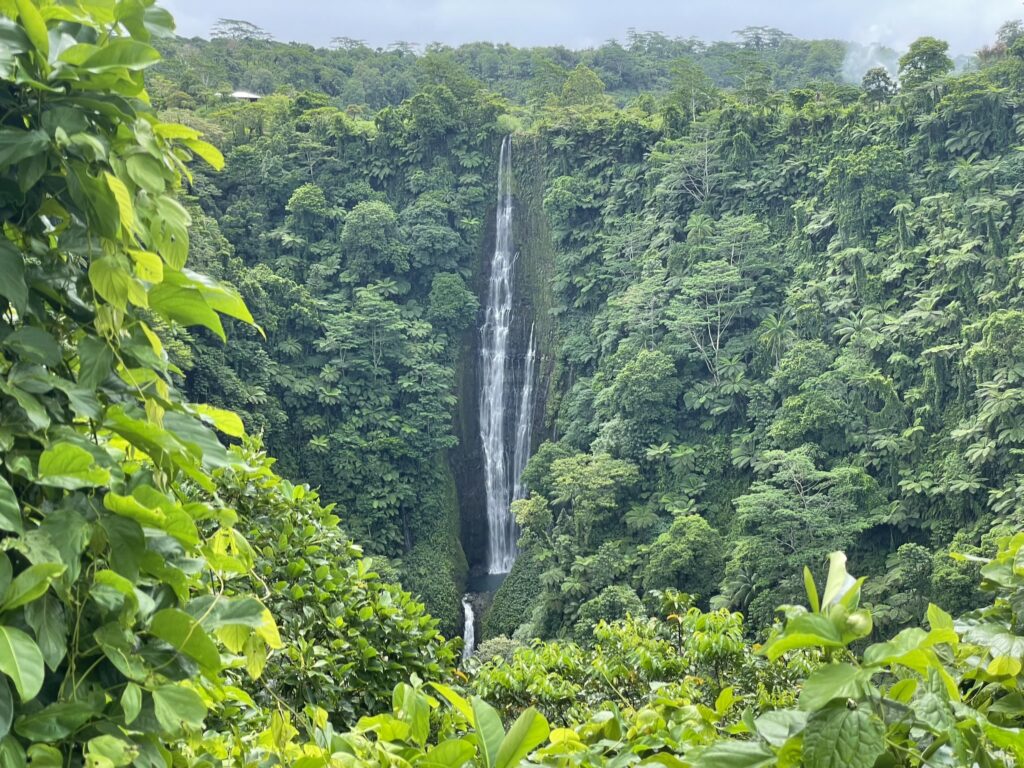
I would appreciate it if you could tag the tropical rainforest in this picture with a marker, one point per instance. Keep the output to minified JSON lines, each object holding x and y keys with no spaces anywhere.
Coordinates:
{"x":776,"y":312}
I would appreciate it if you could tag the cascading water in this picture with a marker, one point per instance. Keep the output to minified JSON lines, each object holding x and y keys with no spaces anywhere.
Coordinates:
{"x":494,"y":364}
{"x":524,"y":421}
{"x":469,"y":631}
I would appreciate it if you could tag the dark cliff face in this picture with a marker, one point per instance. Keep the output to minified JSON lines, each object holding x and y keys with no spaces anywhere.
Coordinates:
{"x":467,"y":457}
{"x":531,"y":304}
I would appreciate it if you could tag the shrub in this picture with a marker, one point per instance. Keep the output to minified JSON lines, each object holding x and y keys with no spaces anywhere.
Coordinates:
{"x":349,"y":637}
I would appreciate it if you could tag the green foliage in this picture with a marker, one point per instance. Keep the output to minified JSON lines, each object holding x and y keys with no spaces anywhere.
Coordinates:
{"x":515,"y":600}
{"x":348,"y":637}
{"x":952,"y":684}
{"x":689,"y":556}
{"x":582,"y":87}
{"x":452,"y":306}
{"x":612,"y":603}
{"x":775,"y":322}
{"x":925,"y":61}
{"x":116,"y":629}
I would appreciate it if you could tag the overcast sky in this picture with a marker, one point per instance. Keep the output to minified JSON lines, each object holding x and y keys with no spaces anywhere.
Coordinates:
{"x":966,"y":24}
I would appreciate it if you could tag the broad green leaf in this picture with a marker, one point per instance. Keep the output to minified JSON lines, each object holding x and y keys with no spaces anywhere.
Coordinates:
{"x":808,"y":630}
{"x":413,"y":708}
{"x":107,"y":579}
{"x":1003,"y":666}
{"x":34,"y":26}
{"x":124,"y":201}
{"x":812,"y":591}
{"x":778,"y":725}
{"x":118,"y":645}
{"x":108,"y":751}
{"x":12,"y":754}
{"x":70,"y":467}
{"x":113,"y":281}
{"x":841,"y":737}
{"x":22,"y":661}
{"x":133,"y":509}
{"x":95,"y":362}
{"x":175,"y":131}
{"x":6,"y":707}
{"x":131,"y":702}
{"x":460,"y":704}
{"x":387,"y":727}
{"x":228,"y":422}
{"x":489,"y":731}
{"x":13,"y":287}
{"x":170,"y":231}
{"x":147,"y":172}
{"x":219,"y":611}
{"x":255,"y":652}
{"x":451,"y":752}
{"x":56,"y":721}
{"x":735,"y":754}
{"x":995,"y":637}
{"x":10,"y":511}
{"x":17,"y":145}
{"x":222,"y":297}
{"x":176,"y":706}
{"x":185,"y":306}
{"x":207,"y":152}
{"x":183,"y":632}
{"x":268,"y":631}
{"x":938,"y":618}
{"x":46,"y":617}
{"x":31,"y":584}
{"x":833,"y":681}
{"x":122,"y":53}
{"x":526,"y":734}
{"x":35,"y":345}
{"x":6,"y":573}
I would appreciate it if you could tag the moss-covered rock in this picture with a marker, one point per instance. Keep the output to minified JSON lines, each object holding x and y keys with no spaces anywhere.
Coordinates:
{"x":435,"y":568}
{"x":514,"y":601}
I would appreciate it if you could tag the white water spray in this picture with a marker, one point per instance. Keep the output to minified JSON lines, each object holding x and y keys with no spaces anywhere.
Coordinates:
{"x":494,"y":367}
{"x":524,"y":421}
{"x":469,"y":631}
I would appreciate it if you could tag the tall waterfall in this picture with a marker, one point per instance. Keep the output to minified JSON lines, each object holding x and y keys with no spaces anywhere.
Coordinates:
{"x":494,"y":390}
{"x":524,"y":421}
{"x":469,"y":632}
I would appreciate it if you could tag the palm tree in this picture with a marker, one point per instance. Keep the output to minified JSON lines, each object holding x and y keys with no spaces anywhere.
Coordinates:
{"x":777,"y":333}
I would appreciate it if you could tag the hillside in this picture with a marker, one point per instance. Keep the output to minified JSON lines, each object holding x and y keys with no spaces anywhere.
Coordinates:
{"x":617,"y":363}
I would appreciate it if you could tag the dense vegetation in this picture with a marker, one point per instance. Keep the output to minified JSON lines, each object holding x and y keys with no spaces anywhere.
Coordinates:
{"x":353,"y":75}
{"x":779,"y":316}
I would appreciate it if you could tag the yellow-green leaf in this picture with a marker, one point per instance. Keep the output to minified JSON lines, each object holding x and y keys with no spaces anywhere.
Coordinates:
{"x":70,"y":467}
{"x":124,"y":201}
{"x":148,"y":266}
{"x":207,"y":152}
{"x":34,"y":26}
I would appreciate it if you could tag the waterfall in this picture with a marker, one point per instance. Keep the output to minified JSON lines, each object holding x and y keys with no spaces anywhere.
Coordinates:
{"x":524,"y":421}
{"x":493,"y":364}
{"x":469,"y":631}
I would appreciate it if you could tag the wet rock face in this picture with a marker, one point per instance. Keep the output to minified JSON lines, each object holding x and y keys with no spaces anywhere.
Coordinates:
{"x":531,"y":311}
{"x":474,"y":605}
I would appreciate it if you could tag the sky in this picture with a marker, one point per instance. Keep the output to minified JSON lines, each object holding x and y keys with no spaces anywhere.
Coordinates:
{"x":966,"y":24}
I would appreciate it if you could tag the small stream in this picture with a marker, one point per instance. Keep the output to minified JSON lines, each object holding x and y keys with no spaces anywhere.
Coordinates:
{"x":481,"y":588}
{"x":469,"y":627}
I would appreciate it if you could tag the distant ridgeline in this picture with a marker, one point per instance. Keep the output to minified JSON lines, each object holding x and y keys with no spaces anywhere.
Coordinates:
{"x":349,"y":72}
{"x":776,"y":313}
